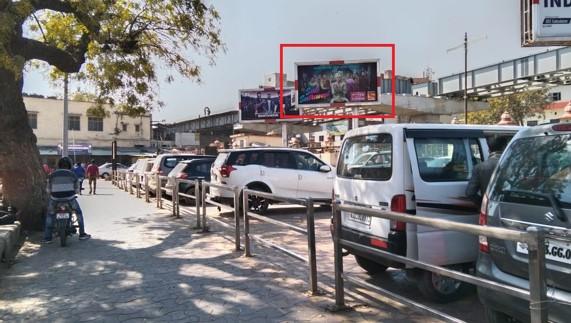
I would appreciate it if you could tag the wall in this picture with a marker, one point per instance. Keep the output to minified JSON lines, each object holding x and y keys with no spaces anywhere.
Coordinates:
{"x":50,"y":125}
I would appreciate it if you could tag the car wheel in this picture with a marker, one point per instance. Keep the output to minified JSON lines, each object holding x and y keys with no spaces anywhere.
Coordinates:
{"x":258,"y":204}
{"x":371,"y":267}
{"x":493,"y":316}
{"x":440,"y":289}
{"x":105,"y":176}
{"x":187,"y":200}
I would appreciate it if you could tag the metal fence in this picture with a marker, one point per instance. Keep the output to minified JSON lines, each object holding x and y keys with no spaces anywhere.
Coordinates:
{"x":535,"y":239}
{"x":235,"y":208}
{"x":309,"y":231}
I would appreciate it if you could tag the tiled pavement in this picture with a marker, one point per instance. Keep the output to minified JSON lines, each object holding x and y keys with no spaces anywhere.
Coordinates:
{"x":144,"y":265}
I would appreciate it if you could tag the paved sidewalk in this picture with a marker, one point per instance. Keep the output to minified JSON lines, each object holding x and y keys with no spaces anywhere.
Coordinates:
{"x":144,"y":265}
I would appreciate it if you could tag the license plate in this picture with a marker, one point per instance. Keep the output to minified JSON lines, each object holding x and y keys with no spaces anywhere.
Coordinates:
{"x":554,"y":250}
{"x":62,"y":216}
{"x":360,"y":218}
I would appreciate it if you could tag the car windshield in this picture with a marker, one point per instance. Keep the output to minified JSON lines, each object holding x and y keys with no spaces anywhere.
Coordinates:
{"x":366,"y":157}
{"x":538,"y":165}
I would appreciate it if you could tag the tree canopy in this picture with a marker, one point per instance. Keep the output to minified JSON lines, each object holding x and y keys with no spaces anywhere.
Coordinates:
{"x":520,"y":105}
{"x":115,"y":46}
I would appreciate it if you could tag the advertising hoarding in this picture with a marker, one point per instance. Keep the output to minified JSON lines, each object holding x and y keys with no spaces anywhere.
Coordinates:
{"x":346,"y":82}
{"x":263,"y":104}
{"x":546,"y":22}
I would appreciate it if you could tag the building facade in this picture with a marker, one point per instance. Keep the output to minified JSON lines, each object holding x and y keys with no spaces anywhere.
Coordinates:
{"x":89,"y":137}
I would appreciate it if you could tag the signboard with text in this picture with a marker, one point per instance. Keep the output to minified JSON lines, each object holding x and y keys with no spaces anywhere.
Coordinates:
{"x":259,"y":105}
{"x":546,"y":22}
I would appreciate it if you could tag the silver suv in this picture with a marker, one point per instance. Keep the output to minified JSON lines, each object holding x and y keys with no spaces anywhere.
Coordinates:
{"x":530,"y":187}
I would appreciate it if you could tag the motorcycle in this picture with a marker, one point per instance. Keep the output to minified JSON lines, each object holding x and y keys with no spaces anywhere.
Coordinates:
{"x":64,"y":219}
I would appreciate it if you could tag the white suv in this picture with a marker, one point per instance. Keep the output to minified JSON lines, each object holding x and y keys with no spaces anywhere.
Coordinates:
{"x":281,"y":171}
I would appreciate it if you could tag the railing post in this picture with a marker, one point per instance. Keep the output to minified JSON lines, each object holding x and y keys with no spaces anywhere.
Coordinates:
{"x":131,"y":183}
{"x":147,"y":196}
{"x":198,"y":199}
{"x":237,"y":218}
{"x":177,"y":184}
{"x":245,"y":207}
{"x":537,"y":286}
{"x":174,"y":196}
{"x":158,"y":192}
{"x":312,"y":260}
{"x":138,"y":183}
{"x":203,"y":201}
{"x":338,"y":256}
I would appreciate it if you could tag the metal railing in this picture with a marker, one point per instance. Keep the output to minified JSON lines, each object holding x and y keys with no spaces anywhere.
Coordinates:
{"x":311,"y":259}
{"x":533,"y":237}
{"x":204,"y":199}
{"x":196,"y":197}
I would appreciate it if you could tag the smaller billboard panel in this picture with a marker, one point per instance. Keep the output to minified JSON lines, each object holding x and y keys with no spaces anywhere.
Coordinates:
{"x":263,"y":104}
{"x":548,"y":23}
{"x":347,"y":83}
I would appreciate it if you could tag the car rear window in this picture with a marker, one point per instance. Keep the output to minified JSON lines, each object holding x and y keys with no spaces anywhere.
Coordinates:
{"x":538,"y":165}
{"x":367,"y":157}
{"x":220,"y":159}
{"x":243,"y":158}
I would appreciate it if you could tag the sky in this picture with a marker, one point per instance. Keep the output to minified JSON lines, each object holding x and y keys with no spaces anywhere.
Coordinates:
{"x":253,"y":30}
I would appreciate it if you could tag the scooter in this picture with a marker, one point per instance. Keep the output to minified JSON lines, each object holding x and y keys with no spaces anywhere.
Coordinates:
{"x":64,"y":218}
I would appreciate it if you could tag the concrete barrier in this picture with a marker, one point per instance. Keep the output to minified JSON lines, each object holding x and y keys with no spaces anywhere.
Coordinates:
{"x":9,"y":241}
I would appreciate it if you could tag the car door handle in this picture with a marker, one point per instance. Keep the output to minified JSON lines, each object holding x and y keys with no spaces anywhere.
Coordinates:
{"x":262,"y":173}
{"x":299,"y":177}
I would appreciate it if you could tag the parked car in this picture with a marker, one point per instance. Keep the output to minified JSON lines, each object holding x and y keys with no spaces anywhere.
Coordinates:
{"x":164,"y":163}
{"x":105,"y":170}
{"x":192,"y":170}
{"x":406,"y":179}
{"x":281,"y":171}
{"x":144,"y":166}
{"x":530,"y":187}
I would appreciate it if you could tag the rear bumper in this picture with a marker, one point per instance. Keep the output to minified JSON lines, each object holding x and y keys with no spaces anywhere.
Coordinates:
{"x":396,"y":243}
{"x":513,"y":306}
{"x":219,"y":193}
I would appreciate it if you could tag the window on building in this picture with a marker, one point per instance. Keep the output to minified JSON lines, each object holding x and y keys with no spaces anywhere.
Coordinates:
{"x":321,"y":138}
{"x":74,"y":123}
{"x":555,"y":96}
{"x":554,"y":121}
{"x":124,"y":125}
{"x":33,"y":120}
{"x":95,"y":124}
{"x":532,"y":123}
{"x":137,"y":128}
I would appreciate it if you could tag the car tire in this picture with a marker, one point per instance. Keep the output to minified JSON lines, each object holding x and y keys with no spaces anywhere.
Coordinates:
{"x":371,"y":267}
{"x":257,"y":204}
{"x":493,"y":316}
{"x":440,"y":289}
{"x":105,"y":176}
{"x":187,"y":200}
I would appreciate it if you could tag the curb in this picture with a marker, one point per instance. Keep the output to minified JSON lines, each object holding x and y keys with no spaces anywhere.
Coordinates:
{"x":9,"y":241}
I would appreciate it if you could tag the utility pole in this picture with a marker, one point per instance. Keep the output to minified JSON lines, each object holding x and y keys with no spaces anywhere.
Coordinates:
{"x":465,"y":45}
{"x":64,"y":151}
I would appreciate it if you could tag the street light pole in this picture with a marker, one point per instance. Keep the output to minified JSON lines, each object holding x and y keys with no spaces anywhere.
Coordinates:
{"x":466,"y":78}
{"x":65,"y":138}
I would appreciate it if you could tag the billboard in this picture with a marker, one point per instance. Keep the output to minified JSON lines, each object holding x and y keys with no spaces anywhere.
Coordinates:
{"x":263,"y":104}
{"x":546,"y":22}
{"x":343,"y":82}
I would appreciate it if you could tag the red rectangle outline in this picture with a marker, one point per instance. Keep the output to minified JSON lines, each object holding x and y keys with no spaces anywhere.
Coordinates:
{"x":391,"y":115}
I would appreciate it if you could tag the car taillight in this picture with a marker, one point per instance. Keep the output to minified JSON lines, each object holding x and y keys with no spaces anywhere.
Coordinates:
{"x":225,"y":170}
{"x":562,"y":127}
{"x":398,"y":204}
{"x":483,"y":220}
{"x":182,"y":176}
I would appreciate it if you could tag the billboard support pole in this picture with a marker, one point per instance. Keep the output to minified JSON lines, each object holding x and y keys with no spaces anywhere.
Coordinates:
{"x":284,"y":134}
{"x":355,"y":121}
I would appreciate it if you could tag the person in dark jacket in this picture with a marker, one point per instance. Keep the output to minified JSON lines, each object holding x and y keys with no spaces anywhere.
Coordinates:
{"x":80,"y":173}
{"x":482,"y":173}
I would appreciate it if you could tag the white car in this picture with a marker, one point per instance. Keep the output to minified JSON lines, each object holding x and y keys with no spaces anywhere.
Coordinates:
{"x":284,"y":172}
{"x":105,"y":170}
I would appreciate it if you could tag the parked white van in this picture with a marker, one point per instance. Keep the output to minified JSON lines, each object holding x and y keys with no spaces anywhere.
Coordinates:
{"x":420,"y":169}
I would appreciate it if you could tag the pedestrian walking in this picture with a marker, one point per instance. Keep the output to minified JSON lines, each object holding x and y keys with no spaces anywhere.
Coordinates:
{"x":80,"y":173}
{"x":92,"y":173}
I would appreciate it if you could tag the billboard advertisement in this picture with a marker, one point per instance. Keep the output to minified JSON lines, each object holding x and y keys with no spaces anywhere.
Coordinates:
{"x":263,"y":104}
{"x":347,"y":82}
{"x":548,"y":23}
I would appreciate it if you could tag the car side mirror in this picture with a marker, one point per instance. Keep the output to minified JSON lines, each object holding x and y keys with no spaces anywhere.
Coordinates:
{"x":325,"y":168}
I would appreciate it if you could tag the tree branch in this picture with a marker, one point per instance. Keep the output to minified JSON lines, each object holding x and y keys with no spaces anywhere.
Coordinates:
{"x":65,"y":61}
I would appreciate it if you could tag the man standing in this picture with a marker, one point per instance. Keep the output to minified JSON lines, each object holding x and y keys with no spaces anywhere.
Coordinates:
{"x":482,"y":173}
{"x":80,"y":173}
{"x":92,"y":174}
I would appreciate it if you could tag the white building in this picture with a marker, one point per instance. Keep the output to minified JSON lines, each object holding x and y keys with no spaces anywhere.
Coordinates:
{"x":561,"y":95}
{"x":89,"y":136}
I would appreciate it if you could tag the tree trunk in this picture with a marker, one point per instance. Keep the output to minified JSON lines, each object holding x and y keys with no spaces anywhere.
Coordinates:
{"x":20,"y":169}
